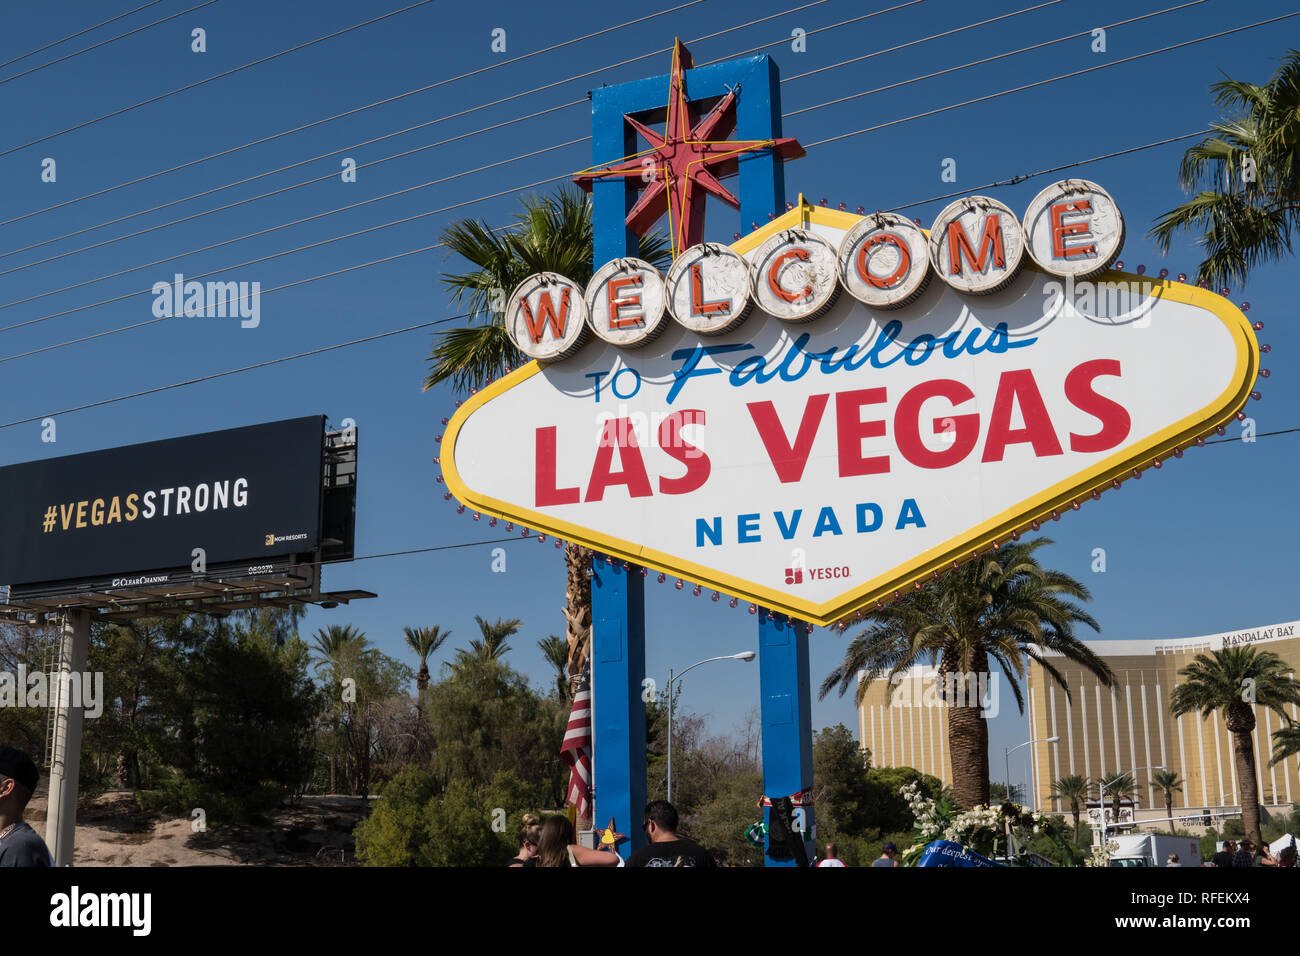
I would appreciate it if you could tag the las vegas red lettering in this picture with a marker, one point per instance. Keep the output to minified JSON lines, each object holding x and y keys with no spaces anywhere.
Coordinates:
{"x":618,"y":465}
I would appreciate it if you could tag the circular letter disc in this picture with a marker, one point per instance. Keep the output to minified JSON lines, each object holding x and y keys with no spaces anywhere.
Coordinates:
{"x":1074,"y":228}
{"x":625,"y":302}
{"x":708,"y":289}
{"x":976,"y":245}
{"x":796,"y":275}
{"x":546,"y":317}
{"x":884,"y":261}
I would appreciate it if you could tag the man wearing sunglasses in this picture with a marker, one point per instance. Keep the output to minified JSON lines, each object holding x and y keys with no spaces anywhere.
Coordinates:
{"x":666,"y":848}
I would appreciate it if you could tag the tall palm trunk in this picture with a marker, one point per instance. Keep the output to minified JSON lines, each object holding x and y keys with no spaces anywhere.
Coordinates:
{"x":577,"y":610}
{"x":1241,"y":724}
{"x":1074,"y":812}
{"x":968,"y":736}
{"x":1169,"y":811}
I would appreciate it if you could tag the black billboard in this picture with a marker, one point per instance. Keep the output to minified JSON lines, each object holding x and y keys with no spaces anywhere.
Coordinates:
{"x":241,"y":494}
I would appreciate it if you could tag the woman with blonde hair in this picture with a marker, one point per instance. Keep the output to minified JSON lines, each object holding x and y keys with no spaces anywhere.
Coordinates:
{"x":529,"y":837}
{"x":557,"y":847}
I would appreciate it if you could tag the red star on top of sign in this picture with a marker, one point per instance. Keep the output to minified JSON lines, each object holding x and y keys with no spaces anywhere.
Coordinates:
{"x":688,"y":161}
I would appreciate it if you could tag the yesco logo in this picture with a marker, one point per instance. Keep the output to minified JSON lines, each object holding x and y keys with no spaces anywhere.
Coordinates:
{"x":796,"y":575}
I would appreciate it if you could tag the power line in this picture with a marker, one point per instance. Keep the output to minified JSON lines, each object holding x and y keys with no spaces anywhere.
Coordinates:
{"x":392,"y":99}
{"x":73,"y":36}
{"x":1073,"y":36}
{"x":1027,"y":86}
{"x":96,"y":46}
{"x":422,"y":215}
{"x":1015,"y":180}
{"x":215,"y":76}
{"x":429,"y":146}
{"x":248,"y":368}
{"x":424,"y":325}
{"x":277,"y":227}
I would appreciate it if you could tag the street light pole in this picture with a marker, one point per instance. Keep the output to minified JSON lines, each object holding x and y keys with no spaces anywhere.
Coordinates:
{"x":742,"y":656}
{"x":1006,"y":754}
{"x":1101,"y":795}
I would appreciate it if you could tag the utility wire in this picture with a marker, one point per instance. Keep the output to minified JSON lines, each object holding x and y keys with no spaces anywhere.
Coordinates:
{"x":422,"y":215}
{"x":215,"y":76}
{"x":79,"y":33}
{"x":96,"y":46}
{"x":1027,"y":86}
{"x":331,"y":175}
{"x":399,"y":96}
{"x":277,"y":227}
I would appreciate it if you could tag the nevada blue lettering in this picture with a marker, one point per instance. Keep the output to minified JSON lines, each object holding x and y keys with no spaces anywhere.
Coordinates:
{"x":787,"y":531}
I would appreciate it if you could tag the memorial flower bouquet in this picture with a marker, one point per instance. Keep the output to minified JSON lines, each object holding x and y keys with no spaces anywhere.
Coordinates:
{"x":984,"y":829}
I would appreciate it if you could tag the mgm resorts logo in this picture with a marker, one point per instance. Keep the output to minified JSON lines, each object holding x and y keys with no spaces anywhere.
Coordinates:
{"x":273,"y":539}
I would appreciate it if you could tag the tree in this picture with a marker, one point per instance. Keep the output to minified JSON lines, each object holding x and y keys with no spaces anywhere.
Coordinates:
{"x":424,"y":641}
{"x":1286,"y":743}
{"x":1248,"y":206}
{"x":1002,"y":607}
{"x":336,"y":645}
{"x":1074,"y":790}
{"x":999,"y":794}
{"x":493,"y":646}
{"x":1118,"y":786}
{"x":1234,"y":681}
{"x":550,"y":234}
{"x":556,"y":652}
{"x":1168,"y":783}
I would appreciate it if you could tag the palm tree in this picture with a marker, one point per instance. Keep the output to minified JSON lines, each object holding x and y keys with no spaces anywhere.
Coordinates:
{"x":424,"y":641}
{"x":1168,"y":783}
{"x":1074,"y":790}
{"x":1001,"y":607}
{"x":1118,"y":786}
{"x":335,"y":646}
{"x":1235,"y":681}
{"x":556,"y":651}
{"x":1248,"y":206}
{"x":550,"y":234}
{"x":493,"y":647}
{"x":1286,"y":742}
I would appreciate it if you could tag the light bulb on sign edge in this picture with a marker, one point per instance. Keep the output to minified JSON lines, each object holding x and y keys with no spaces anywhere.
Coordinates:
{"x":1182,"y":277}
{"x":447,"y":496}
{"x":460,"y":509}
{"x":446,"y":421}
{"x":716,"y":596}
{"x":1178,"y":453}
{"x":1155,"y":463}
{"x":438,"y":479}
{"x":662,"y":578}
{"x":1256,"y":396}
{"x":1266,"y":349}
{"x":1219,"y":431}
{"x":1141,"y":270}
{"x":735,"y":602}
{"x":1264,"y":373}
{"x":1164,"y":273}
{"x":679,"y":584}
{"x":492,"y":522}
{"x":1115,"y":484}
{"x":1074,"y":505}
{"x":695,"y":591}
{"x":1034,"y":525}
{"x":1241,"y":416}
{"x":753,"y":609}
{"x":476,"y":516}
{"x":1257,"y":326}
{"x":1119,"y":263}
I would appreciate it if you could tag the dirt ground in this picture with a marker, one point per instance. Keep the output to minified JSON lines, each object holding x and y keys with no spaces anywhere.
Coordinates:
{"x":112,"y":830}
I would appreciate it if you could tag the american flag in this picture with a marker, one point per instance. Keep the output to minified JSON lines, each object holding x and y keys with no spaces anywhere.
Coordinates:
{"x":576,"y":750}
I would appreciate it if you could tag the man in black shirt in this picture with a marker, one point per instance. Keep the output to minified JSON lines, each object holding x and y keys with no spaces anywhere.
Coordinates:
{"x":20,"y":845}
{"x":1224,"y":857}
{"x":666,"y":848}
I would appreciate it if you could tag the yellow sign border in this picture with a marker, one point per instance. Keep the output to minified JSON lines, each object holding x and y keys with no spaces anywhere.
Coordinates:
{"x":940,"y":558}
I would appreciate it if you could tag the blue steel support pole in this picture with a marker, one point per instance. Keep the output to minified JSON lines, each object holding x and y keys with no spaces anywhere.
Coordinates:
{"x":618,"y":712}
{"x":786,"y":709}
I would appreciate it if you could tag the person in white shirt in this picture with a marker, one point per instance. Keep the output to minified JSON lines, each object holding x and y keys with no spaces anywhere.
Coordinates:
{"x":831,"y":858}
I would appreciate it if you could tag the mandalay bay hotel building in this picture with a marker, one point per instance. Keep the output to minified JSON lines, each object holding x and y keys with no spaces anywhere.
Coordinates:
{"x":1101,"y":730}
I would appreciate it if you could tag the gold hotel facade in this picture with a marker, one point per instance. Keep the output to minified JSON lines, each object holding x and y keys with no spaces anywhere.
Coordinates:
{"x":1103,"y":730}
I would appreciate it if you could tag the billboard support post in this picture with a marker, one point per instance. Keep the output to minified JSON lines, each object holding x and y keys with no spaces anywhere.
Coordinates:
{"x":786,"y":712}
{"x":65,"y":757}
{"x":618,"y":709}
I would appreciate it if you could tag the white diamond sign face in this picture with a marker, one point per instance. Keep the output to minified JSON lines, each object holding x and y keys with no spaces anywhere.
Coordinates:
{"x":820,"y":468}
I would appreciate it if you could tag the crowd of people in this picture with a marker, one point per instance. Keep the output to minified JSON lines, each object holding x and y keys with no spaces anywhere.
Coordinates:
{"x":1245,"y":853}
{"x":552,"y":843}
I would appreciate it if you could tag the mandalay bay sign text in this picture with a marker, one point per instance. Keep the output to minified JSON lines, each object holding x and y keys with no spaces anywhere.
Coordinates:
{"x":838,"y":407}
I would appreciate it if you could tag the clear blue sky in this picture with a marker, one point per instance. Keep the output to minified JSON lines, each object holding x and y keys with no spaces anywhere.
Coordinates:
{"x":1206,"y":545}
